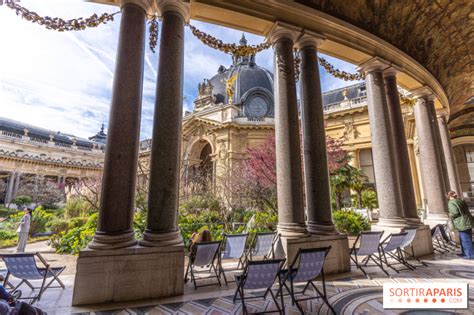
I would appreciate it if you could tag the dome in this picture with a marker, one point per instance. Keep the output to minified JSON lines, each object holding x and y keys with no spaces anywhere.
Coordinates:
{"x":253,"y":87}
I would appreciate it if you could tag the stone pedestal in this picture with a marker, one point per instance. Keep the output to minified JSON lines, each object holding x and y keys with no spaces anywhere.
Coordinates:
{"x":127,"y":274}
{"x":337,"y":261}
{"x":422,"y":245}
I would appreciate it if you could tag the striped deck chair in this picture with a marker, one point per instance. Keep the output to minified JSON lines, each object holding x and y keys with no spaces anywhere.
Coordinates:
{"x":23,"y":266}
{"x":204,"y":255}
{"x":369,"y":247}
{"x":260,"y":275}
{"x":234,"y":248}
{"x":391,"y":246}
{"x":408,"y":245}
{"x":264,"y":245}
{"x":306,"y":267}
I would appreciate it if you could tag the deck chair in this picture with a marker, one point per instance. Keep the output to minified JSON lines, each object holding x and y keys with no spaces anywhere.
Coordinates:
{"x":438,"y":241}
{"x":260,"y":275}
{"x":23,"y":266}
{"x":264,"y":245}
{"x":368,"y":247}
{"x":448,"y":241}
{"x":6,"y":284}
{"x":306,"y":267}
{"x":204,"y":255}
{"x":235,"y":247}
{"x":391,"y":246}
{"x":407,"y":246}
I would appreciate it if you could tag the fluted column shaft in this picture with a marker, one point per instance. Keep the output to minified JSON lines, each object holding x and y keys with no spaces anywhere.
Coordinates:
{"x":430,"y":164}
{"x":453,"y":177}
{"x":163,"y":196}
{"x":316,"y":173}
{"x":288,"y":153}
{"x":405,"y":181}
{"x":385,"y":164}
{"x":121,"y":156}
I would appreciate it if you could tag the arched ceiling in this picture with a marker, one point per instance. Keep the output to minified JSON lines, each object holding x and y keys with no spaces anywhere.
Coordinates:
{"x":439,"y":34}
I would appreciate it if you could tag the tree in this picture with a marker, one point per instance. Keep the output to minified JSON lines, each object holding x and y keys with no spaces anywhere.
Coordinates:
{"x":88,"y":190}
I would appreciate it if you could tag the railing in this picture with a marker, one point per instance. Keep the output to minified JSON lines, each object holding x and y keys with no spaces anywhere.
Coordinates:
{"x":38,"y":140}
{"x":61,"y":144}
{"x":11,"y":134}
{"x":339,"y":106}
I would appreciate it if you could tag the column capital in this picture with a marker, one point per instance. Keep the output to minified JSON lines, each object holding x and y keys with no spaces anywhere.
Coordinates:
{"x":308,"y":39}
{"x":174,"y":6}
{"x":391,"y":71}
{"x":442,"y":113}
{"x":374,"y":64}
{"x":281,"y":30}
{"x":147,"y":5}
{"x":422,"y":92}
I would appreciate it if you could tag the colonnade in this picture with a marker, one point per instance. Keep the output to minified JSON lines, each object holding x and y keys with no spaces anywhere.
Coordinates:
{"x":162,"y":237}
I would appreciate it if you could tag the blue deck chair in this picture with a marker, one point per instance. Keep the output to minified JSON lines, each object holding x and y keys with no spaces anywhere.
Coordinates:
{"x":306,"y":267}
{"x":204,"y":255}
{"x":264,"y":245}
{"x":234,"y":248}
{"x":369,"y":247}
{"x":260,"y":275}
{"x":391,"y":246}
{"x":23,"y":266}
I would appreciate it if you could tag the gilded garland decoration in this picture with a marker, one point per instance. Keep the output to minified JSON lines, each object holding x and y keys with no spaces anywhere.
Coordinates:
{"x":58,"y":24}
{"x":233,"y":49}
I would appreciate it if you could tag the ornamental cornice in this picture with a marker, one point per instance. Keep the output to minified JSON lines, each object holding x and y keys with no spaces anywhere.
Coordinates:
{"x":309,"y":39}
{"x":282,"y":30}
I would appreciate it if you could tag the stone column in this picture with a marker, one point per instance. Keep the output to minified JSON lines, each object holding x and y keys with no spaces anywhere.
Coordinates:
{"x":121,"y":156}
{"x":430,"y":164}
{"x":11,"y":182}
{"x":316,"y":173}
{"x":17,"y":179}
{"x":163,"y":197}
{"x":291,"y":221}
{"x":439,"y":145}
{"x":453,"y":177}
{"x":384,"y":153}
{"x":402,"y":162}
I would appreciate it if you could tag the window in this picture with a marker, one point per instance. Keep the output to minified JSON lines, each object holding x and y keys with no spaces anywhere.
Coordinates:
{"x":367,"y":164}
{"x":464,"y":156}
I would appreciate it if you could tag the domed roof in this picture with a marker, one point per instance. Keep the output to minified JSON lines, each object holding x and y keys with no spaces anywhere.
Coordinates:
{"x":253,"y":85}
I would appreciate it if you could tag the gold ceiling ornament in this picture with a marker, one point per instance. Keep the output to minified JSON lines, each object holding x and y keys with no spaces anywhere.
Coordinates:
{"x":58,"y":24}
{"x":297,"y":62}
{"x":153,"y":29}
{"x":405,"y":100}
{"x":232,"y":49}
{"x":340,"y":74}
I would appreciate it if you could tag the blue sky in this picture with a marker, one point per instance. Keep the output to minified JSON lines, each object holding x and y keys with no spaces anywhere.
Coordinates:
{"x":63,"y":81}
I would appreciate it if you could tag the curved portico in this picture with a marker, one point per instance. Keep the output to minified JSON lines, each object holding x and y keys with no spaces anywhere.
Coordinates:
{"x":303,"y":29}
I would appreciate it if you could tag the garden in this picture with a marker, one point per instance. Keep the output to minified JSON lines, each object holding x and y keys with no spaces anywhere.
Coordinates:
{"x":246,"y":204}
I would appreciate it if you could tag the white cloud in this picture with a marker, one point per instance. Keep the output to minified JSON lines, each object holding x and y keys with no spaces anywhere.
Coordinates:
{"x":63,"y":81}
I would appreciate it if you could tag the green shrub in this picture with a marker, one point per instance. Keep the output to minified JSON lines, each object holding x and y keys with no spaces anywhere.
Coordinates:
{"x":77,"y":222}
{"x":39,"y":219}
{"x":76,"y":207}
{"x":139,"y":223}
{"x":350,"y":222}
{"x":6,"y":212}
{"x":57,"y":225}
{"x":369,"y":199}
{"x":75,"y":239}
{"x":200,"y":203}
{"x":7,"y":235}
{"x":22,"y":201}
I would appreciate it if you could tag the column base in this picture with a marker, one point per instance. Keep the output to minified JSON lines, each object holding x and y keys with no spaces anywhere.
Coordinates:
{"x":433,"y":219}
{"x":423,"y":244}
{"x":337,"y":260}
{"x":107,"y":241}
{"x":394,"y":224}
{"x":321,"y":229}
{"x":133,"y":273}
{"x":414,"y":221}
{"x":161,"y":239}
{"x":292,"y":230}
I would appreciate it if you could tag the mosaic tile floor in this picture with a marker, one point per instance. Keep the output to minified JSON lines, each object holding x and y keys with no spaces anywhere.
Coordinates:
{"x":352,"y":295}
